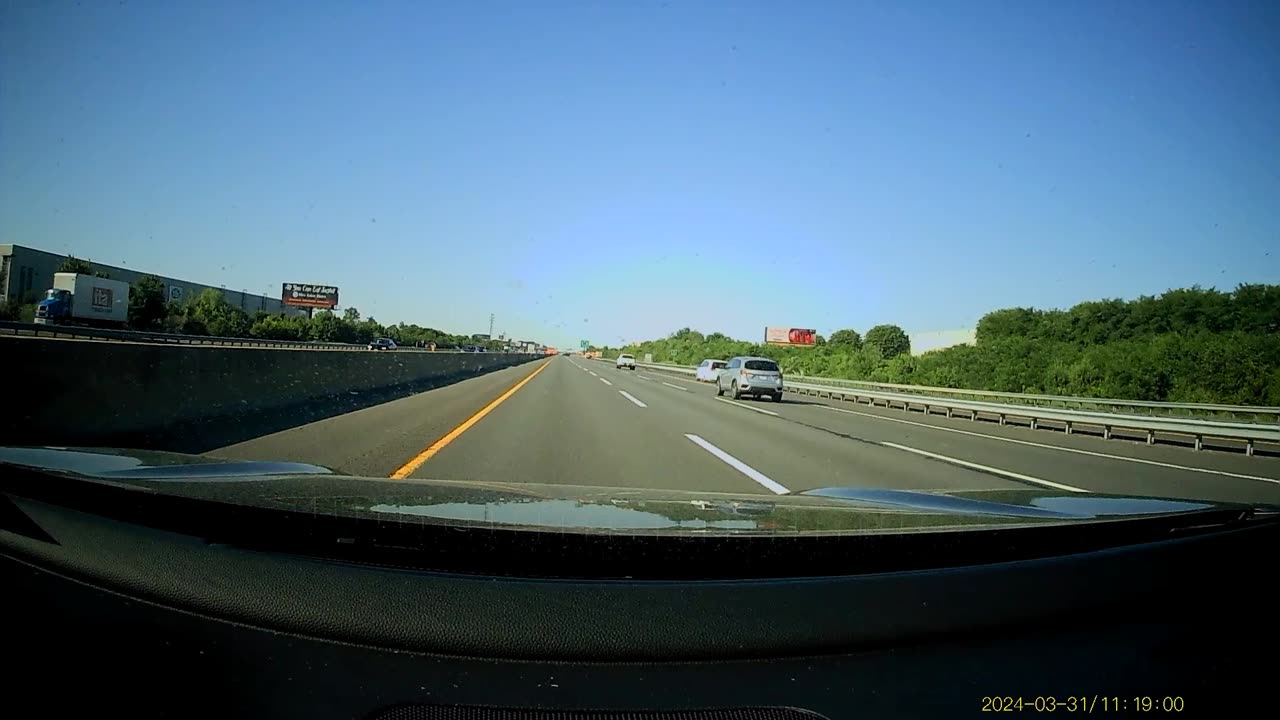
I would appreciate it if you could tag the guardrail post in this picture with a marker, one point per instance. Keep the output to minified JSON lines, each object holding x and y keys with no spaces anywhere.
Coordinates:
{"x":1068,"y":427}
{"x":1001,"y":418}
{"x":1106,"y":432}
{"x":948,"y":412}
{"x":1248,"y":447}
{"x":1199,"y":442}
{"x":1151,"y":437}
{"x":1033,"y":423}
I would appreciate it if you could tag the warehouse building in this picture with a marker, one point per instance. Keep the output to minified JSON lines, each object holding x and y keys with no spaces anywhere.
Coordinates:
{"x":26,"y":273}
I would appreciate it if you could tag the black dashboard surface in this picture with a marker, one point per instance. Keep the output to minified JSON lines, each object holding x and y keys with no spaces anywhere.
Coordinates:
{"x":155,"y":623}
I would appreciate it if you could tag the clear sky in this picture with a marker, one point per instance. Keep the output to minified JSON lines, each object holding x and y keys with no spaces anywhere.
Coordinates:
{"x":608,"y":169}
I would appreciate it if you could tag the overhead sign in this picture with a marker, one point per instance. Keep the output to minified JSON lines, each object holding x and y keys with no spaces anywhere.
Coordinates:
{"x":479,"y":336}
{"x":803,"y":337}
{"x":309,"y":296}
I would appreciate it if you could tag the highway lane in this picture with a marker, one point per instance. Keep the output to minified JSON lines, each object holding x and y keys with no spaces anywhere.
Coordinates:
{"x":568,"y":425}
{"x":1225,"y":451}
{"x":572,"y":421}
{"x":1093,"y":464}
{"x":596,"y":426}
{"x":376,"y":441}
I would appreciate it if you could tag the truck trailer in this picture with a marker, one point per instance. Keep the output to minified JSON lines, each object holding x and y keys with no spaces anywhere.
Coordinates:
{"x":80,"y":299}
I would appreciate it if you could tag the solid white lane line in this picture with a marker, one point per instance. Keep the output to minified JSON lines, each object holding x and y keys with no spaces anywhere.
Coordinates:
{"x":1058,"y":448}
{"x":676,"y":387}
{"x":632,"y":398}
{"x":986,"y":468}
{"x":606,"y":382}
{"x":738,"y":465}
{"x":744,"y":405}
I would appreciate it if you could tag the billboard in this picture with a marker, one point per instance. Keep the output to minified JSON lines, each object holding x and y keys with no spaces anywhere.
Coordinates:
{"x":309,"y":296}
{"x":803,"y":337}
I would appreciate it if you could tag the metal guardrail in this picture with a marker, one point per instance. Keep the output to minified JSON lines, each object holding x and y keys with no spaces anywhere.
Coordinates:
{"x":1264,"y":413}
{"x":1107,"y":422}
{"x":154,"y":338}
{"x":1248,"y":433}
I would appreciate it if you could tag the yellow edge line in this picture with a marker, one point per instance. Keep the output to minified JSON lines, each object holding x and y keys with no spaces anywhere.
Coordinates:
{"x":440,"y":444}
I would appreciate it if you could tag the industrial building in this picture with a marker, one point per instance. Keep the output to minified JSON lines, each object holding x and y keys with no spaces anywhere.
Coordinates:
{"x":26,"y":273}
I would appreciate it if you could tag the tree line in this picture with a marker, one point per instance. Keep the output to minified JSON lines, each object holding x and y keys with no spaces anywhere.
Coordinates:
{"x":1185,"y":345}
{"x":209,"y":313}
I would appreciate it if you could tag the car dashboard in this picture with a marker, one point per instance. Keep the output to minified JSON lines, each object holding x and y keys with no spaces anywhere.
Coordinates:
{"x":169,"y":619}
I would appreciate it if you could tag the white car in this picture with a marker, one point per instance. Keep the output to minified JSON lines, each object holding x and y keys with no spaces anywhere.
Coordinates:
{"x":710,"y":369}
{"x":626,"y":361}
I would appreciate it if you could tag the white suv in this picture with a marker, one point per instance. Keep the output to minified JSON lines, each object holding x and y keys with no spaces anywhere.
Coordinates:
{"x":626,"y":361}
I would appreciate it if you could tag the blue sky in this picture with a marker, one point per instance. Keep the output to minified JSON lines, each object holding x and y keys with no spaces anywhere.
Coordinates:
{"x":618,"y":170}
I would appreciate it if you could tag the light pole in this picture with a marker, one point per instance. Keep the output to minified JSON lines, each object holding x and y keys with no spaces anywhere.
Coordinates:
{"x":490,"y":326}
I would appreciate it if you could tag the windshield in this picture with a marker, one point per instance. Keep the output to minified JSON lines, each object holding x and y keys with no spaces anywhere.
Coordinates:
{"x":949,"y":247}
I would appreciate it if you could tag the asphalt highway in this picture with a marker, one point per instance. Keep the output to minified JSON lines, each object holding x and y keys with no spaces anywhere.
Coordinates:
{"x":569,"y":420}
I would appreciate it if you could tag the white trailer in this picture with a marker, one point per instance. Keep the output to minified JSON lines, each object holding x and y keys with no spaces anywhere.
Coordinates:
{"x":78,"y":298}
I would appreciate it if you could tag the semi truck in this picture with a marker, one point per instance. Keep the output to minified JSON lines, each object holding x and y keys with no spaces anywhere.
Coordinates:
{"x":80,"y":299}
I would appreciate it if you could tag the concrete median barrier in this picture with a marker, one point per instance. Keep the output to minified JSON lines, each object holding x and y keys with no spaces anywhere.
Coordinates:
{"x":192,"y":399}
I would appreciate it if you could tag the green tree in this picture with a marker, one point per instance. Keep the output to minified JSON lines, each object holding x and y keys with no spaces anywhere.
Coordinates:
{"x":351,"y":315}
{"x":211,"y":314}
{"x":326,"y":327}
{"x":147,"y":306}
{"x":72,"y":264}
{"x":1188,"y":345}
{"x":889,"y":341}
{"x":845,"y":338}
{"x":277,"y":327}
{"x":1011,"y":322}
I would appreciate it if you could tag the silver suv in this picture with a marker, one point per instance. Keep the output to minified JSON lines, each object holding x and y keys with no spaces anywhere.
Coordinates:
{"x":750,"y":376}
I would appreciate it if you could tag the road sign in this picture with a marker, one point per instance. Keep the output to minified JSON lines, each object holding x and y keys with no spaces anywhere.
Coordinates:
{"x":583,"y":344}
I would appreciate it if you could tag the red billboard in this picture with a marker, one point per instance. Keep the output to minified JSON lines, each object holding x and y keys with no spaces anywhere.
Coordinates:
{"x":803,"y":337}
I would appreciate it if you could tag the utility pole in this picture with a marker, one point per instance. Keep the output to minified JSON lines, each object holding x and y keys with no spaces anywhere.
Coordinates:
{"x":490,"y":326}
